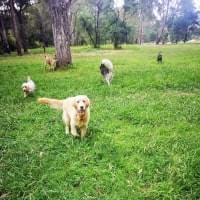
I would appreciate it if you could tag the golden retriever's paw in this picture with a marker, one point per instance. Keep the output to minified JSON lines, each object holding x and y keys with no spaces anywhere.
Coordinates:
{"x":67,"y":130}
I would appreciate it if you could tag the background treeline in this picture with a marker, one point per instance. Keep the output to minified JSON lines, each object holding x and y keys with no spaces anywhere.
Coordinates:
{"x":27,"y":23}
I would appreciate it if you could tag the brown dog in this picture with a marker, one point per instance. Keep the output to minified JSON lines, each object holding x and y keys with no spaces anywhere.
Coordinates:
{"x":50,"y":63}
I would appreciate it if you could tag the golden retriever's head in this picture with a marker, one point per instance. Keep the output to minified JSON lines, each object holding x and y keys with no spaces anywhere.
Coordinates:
{"x":25,"y":87}
{"x":81,"y":103}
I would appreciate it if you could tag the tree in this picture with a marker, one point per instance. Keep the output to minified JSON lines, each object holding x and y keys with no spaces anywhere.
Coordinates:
{"x":98,"y":9}
{"x":91,"y":23}
{"x":184,"y":23}
{"x":73,"y":18}
{"x":93,"y":20}
{"x":16,"y":29}
{"x":20,"y":11}
{"x":162,"y":10}
{"x":142,"y":10}
{"x":119,"y":33}
{"x":145,"y":10}
{"x":39,"y":29}
{"x":118,"y":29}
{"x":59,"y":10}
{"x":3,"y":34}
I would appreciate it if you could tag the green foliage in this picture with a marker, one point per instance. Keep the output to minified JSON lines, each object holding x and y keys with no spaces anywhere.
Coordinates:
{"x":39,"y":28}
{"x":130,"y":6}
{"x":183,"y":24}
{"x":87,"y":24}
{"x":119,"y":32}
{"x":143,"y":138}
{"x":96,"y":19}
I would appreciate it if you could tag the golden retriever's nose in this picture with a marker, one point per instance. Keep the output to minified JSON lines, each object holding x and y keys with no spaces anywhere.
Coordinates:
{"x":81,"y":107}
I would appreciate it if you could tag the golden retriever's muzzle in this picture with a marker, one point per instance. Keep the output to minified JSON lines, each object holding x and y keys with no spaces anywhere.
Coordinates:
{"x":82,"y":109}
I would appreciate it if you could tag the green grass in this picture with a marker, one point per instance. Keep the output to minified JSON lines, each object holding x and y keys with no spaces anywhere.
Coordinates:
{"x":144,"y":135}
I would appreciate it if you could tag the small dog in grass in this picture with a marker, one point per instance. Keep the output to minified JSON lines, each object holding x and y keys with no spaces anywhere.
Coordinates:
{"x":106,"y":69}
{"x":28,"y":87}
{"x":76,"y":113}
{"x":50,"y":63}
{"x":159,"y":57}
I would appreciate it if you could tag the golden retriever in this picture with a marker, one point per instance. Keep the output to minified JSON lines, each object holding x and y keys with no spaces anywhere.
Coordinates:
{"x":76,"y":113}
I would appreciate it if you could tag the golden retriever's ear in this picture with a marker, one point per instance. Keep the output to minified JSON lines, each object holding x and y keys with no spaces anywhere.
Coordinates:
{"x":87,"y":102}
{"x":74,"y":104}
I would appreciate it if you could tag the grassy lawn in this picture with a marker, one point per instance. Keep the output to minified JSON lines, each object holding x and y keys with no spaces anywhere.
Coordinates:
{"x":143,"y":139}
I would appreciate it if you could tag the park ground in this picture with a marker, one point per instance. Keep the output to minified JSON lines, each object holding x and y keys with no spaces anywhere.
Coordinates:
{"x":143,"y":139}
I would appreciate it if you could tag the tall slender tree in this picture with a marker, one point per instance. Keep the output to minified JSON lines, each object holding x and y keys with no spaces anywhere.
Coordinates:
{"x":92,"y":20}
{"x":16,"y":30}
{"x":142,"y":10}
{"x":22,"y":5}
{"x":6,"y":47}
{"x":183,"y":24}
{"x":163,"y":9}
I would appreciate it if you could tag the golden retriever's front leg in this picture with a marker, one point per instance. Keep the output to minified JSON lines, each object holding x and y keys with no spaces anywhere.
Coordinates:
{"x":66,"y":122}
{"x":66,"y":129}
{"x":74,"y":130}
{"x":83,"y":131}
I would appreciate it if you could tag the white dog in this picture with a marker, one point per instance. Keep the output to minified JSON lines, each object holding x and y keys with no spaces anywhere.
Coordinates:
{"x":106,"y":69}
{"x":28,"y":87}
{"x":76,"y":113}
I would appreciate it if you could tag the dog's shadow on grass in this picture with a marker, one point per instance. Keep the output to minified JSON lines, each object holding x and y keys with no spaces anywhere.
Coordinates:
{"x":30,"y":98}
{"x":92,"y":132}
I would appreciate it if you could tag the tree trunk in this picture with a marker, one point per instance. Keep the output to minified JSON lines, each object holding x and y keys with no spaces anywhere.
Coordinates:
{"x":186,"y":35}
{"x":6,"y":47}
{"x":15,"y":25}
{"x":140,"y":38}
{"x":61,"y":30}
{"x":163,"y":24}
{"x":115,"y":41}
{"x":73,"y":21}
{"x":23,"y":31}
{"x":97,"y":35}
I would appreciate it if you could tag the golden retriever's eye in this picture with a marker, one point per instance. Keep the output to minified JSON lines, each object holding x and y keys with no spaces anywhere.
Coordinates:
{"x":83,"y":101}
{"x":77,"y":101}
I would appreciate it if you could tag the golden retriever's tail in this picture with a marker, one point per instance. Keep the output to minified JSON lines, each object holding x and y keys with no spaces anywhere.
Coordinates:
{"x":53,"y":103}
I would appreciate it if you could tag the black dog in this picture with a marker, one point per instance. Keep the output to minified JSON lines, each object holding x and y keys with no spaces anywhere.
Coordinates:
{"x":159,"y":58}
